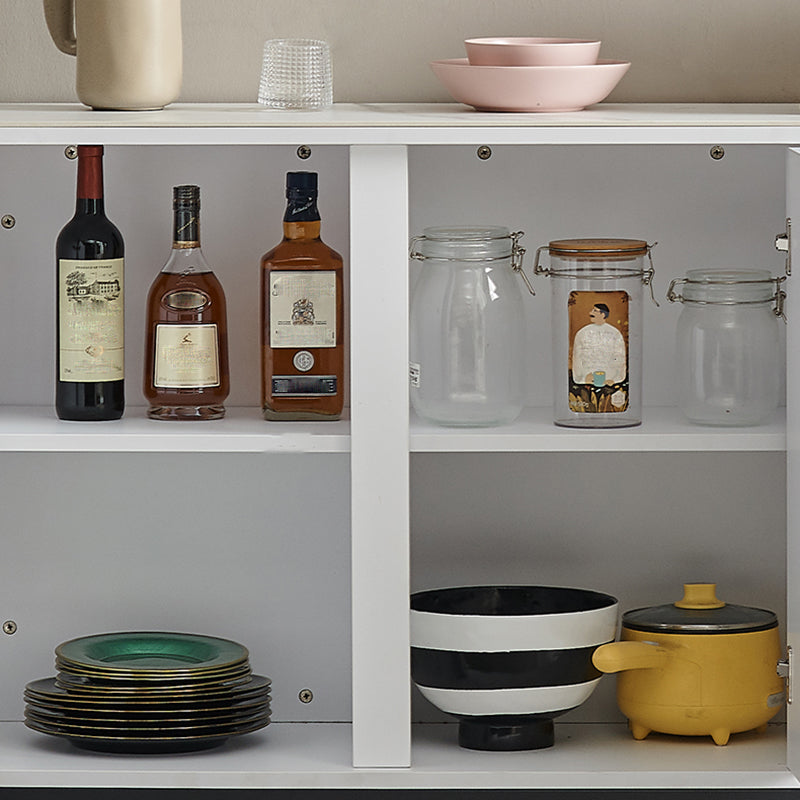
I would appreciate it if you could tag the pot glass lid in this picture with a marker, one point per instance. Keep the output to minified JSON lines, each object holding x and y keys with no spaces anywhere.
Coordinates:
{"x":699,"y":611}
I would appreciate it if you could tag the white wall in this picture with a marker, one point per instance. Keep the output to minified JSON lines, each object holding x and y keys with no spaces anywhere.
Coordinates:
{"x":681,"y":50}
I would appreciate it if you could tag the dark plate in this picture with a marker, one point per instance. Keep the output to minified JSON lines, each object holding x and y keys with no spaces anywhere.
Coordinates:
{"x":155,"y":651}
{"x":133,"y":711}
{"x":48,"y":689}
{"x":149,"y":718}
{"x":159,"y":728}
{"x":82,"y":684}
{"x":144,"y":745}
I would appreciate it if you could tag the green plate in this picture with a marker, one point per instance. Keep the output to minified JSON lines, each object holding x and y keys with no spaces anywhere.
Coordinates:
{"x":164,"y":677}
{"x":151,"y":651}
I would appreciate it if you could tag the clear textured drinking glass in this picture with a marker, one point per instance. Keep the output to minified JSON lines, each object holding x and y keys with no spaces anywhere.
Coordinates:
{"x":296,"y":73}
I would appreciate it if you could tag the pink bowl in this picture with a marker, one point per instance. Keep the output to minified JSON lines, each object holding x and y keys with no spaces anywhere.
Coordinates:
{"x":531,"y":51}
{"x":570,"y":88}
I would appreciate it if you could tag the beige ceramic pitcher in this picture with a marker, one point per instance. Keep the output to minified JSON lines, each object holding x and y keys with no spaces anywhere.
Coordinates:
{"x":129,"y":52}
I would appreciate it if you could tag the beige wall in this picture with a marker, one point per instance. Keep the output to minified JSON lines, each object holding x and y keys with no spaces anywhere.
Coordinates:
{"x":681,"y":50}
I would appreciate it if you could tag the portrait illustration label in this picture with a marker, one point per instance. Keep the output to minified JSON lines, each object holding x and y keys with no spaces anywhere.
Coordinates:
{"x":599,"y":381}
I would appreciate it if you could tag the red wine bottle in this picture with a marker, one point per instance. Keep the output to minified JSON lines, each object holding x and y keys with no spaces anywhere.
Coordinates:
{"x":90,"y":326}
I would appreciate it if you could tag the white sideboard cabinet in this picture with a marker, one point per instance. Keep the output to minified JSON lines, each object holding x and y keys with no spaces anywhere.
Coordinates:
{"x":303,"y":540}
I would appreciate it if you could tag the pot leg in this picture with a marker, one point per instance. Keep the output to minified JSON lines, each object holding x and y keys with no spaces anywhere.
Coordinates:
{"x":721,"y":736}
{"x":638,"y":730}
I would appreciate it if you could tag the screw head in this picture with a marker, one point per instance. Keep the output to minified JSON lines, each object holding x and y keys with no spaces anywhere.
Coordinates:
{"x":9,"y":627}
{"x":8,"y":221}
{"x":71,"y":152}
{"x":304,"y":152}
{"x":484,"y":152}
{"x":717,"y":152}
{"x":306,"y":695}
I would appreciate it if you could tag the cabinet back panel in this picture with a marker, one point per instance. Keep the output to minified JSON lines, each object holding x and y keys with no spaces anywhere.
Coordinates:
{"x":702,"y":212}
{"x":242,"y":205}
{"x":247,"y":547}
{"x":634,"y":525}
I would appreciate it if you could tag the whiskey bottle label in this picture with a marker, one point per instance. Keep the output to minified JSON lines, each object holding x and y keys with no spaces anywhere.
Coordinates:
{"x":91,"y":320}
{"x":302,"y":309}
{"x":304,"y":385}
{"x":186,"y":357}
{"x":598,"y":354}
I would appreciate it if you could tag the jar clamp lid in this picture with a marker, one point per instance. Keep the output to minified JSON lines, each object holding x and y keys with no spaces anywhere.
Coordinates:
{"x":699,"y":612}
{"x":599,"y":248}
{"x":729,"y":287}
{"x":598,"y":259}
{"x":478,"y":244}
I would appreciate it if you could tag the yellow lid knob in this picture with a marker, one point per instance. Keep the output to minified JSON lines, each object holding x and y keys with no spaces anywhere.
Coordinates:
{"x":699,"y":596}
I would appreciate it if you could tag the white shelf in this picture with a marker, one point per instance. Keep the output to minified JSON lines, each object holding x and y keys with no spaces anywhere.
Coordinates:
{"x":408,"y":123}
{"x":662,"y":430}
{"x":298,"y":755}
{"x":36,"y":429}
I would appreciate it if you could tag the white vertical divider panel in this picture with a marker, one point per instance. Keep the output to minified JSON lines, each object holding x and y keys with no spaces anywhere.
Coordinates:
{"x":793,"y":459}
{"x":379,"y":462}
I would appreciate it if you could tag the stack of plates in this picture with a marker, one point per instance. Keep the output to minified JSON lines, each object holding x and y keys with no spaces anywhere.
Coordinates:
{"x":149,"y":692}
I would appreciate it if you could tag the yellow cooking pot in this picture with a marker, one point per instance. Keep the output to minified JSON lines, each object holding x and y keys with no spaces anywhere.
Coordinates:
{"x":698,"y":667}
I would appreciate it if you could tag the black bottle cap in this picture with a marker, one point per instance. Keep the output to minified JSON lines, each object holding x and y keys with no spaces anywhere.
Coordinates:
{"x":305,"y":181}
{"x":185,"y":197}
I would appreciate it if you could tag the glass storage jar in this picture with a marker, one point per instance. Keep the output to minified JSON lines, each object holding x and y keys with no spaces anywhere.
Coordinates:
{"x":597,"y":329}
{"x":728,"y":348}
{"x":466,"y":363}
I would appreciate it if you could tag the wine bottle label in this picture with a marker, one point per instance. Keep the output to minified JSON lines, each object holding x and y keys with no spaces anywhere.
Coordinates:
{"x":598,"y":354}
{"x":302,"y":309}
{"x":91,"y":320}
{"x":186,"y":357}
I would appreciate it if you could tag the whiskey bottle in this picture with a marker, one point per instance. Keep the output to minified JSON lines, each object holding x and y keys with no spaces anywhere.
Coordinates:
{"x":90,"y":326}
{"x":186,"y":353}
{"x":302,"y":315}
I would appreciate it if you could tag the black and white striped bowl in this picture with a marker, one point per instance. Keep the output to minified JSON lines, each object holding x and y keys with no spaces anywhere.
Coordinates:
{"x":507,"y":660}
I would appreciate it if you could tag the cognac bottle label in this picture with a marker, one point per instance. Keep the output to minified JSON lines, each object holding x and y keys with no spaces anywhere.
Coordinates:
{"x":92,"y":320}
{"x":186,"y":356}
{"x":302,"y":309}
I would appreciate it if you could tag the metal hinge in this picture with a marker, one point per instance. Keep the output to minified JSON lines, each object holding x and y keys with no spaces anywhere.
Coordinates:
{"x":783,"y":242}
{"x":785,"y":671}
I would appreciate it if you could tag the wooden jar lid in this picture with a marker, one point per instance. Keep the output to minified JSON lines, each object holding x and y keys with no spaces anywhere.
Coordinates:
{"x":599,"y":247}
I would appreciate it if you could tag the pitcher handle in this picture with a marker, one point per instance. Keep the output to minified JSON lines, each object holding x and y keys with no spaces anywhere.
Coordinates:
{"x":60,"y":18}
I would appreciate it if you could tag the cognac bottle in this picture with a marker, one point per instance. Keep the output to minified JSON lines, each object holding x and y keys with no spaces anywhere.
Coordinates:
{"x":186,"y":354}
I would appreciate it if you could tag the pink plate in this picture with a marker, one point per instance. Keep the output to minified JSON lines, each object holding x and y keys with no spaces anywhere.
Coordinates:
{"x":565,"y":88}
{"x":531,"y":51}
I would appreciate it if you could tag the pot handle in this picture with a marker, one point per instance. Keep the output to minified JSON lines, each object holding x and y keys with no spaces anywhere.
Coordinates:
{"x":619,"y":656}
{"x":60,"y":18}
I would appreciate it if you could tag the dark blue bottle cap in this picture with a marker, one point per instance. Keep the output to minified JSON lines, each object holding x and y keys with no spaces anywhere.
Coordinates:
{"x":302,"y":180}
